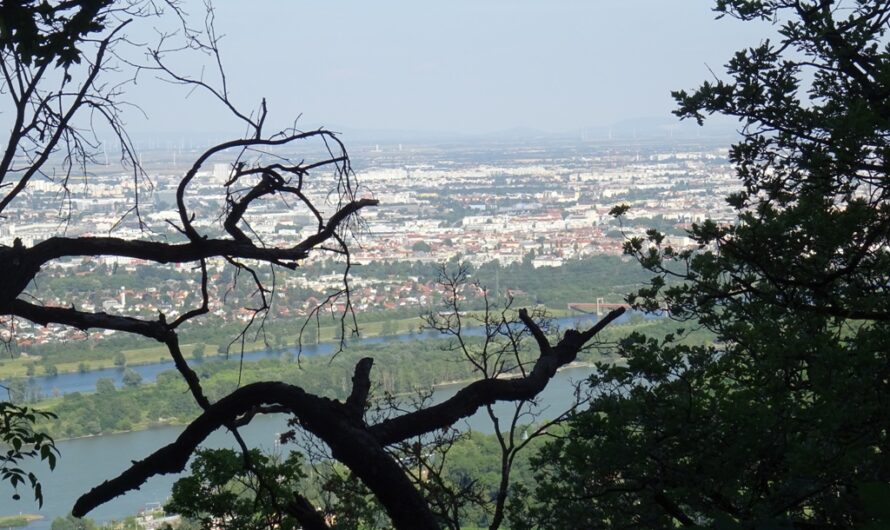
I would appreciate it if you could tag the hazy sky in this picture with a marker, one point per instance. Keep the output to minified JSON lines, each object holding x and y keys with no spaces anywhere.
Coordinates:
{"x":461,"y":66}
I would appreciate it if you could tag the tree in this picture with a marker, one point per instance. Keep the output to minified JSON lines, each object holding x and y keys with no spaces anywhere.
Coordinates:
{"x":105,"y":385}
{"x":56,"y":57}
{"x":782,"y":420}
{"x":389,"y":327}
{"x":132,"y":378}
{"x":460,"y":489}
{"x":421,"y":246}
{"x":222,"y":492}
{"x":501,"y":351}
{"x":17,"y":390}
{"x":308,"y":336}
{"x":119,"y":360}
{"x":70,"y":522}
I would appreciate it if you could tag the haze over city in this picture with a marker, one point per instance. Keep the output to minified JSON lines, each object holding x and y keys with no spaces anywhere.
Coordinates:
{"x":461,"y":67}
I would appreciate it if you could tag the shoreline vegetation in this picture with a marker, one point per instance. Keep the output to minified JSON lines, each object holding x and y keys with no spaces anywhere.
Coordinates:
{"x":147,"y":355}
{"x":401,"y":371}
{"x":607,"y":277}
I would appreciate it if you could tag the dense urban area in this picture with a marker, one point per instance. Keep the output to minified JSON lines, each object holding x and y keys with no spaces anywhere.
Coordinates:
{"x":543,"y":205}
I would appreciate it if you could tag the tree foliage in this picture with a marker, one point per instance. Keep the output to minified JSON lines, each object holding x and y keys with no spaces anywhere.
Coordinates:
{"x":224,"y":492}
{"x":69,"y":522}
{"x":783,"y":420}
{"x":43,"y":34}
{"x":131,"y":378}
{"x":21,"y":441}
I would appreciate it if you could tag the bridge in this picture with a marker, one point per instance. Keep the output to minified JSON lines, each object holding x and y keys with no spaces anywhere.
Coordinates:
{"x":598,"y":308}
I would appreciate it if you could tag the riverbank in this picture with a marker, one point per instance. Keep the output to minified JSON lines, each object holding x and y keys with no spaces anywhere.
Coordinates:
{"x":18,"y":521}
{"x":403,"y":363}
{"x":29,"y":365}
{"x":133,"y":357}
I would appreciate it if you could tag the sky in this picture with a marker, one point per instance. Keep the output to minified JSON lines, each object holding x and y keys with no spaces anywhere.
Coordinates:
{"x":464,"y":66}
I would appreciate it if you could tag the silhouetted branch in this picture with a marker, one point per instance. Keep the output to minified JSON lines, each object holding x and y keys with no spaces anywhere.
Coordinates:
{"x":361,"y":386}
{"x":359,"y":447}
{"x":349,"y":441}
{"x":487,"y":391}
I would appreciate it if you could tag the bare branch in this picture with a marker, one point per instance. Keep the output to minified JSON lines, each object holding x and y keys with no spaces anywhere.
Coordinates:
{"x":361,"y":386}
{"x":487,"y":391}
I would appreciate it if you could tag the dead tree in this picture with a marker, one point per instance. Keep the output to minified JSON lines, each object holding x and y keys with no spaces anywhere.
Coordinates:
{"x":55,"y":56}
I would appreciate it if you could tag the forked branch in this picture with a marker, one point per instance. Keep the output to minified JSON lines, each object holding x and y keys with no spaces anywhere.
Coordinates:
{"x":356,"y":445}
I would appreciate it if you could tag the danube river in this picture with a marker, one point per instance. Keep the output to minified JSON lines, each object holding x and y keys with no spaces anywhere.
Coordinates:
{"x":86,"y":462}
{"x":86,"y":381}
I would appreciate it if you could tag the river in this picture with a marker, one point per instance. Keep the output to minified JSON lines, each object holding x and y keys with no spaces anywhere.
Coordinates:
{"x":86,"y":462}
{"x":86,"y":381}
